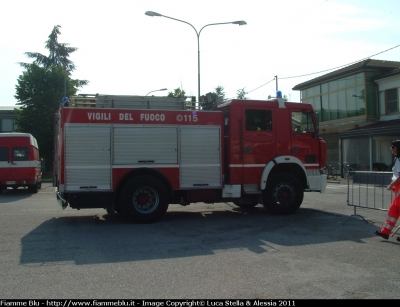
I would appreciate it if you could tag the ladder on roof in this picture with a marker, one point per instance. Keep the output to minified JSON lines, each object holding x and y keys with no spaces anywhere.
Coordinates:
{"x":133,"y":102}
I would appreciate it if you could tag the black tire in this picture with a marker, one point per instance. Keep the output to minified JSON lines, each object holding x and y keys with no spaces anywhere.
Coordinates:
{"x":246,"y":203}
{"x":110,"y":210}
{"x":40,"y":185}
{"x":33,"y":188}
{"x":144,"y":199}
{"x":283,"y":194}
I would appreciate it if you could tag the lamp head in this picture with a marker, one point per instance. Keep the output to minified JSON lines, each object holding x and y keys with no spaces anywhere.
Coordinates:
{"x":240,"y":22}
{"x":152,"y":14}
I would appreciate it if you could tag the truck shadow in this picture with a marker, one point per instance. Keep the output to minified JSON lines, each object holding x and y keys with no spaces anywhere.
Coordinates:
{"x":88,"y":239}
{"x":13,"y":195}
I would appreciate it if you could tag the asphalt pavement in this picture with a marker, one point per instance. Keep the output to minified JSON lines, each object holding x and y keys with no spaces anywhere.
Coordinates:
{"x":326,"y":250}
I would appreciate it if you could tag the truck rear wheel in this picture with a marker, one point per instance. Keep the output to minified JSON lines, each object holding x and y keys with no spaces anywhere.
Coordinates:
{"x":144,"y":199}
{"x":33,"y":188}
{"x":283,"y":194}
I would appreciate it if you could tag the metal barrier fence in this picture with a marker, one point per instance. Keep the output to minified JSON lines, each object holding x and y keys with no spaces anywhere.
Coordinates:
{"x":368,"y":190}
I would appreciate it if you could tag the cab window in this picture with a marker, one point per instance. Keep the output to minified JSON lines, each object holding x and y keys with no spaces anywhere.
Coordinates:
{"x":302,"y":122}
{"x":258,"y":120}
{"x":20,"y":153}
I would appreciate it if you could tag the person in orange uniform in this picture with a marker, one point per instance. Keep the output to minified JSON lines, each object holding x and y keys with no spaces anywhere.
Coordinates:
{"x":394,"y":209}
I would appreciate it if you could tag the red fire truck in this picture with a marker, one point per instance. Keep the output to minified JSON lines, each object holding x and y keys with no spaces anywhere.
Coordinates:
{"x":20,"y":165}
{"x":136,"y":155}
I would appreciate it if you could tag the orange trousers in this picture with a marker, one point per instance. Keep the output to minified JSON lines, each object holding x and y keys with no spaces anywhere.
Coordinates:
{"x":393,"y":213}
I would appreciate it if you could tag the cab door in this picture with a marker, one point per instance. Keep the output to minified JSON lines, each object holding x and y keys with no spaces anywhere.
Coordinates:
{"x":258,"y":144}
{"x":304,"y":141}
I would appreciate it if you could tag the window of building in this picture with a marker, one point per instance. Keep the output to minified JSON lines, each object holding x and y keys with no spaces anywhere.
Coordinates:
{"x":360,"y":78}
{"x":333,"y":85}
{"x":360,"y":103}
{"x":351,"y":98}
{"x":324,"y":88}
{"x":391,"y":101}
{"x":333,"y":106}
{"x":317,"y":105}
{"x":7,"y":125}
{"x":325,"y":109}
{"x":356,"y":152}
{"x":350,"y":80}
{"x":339,"y":99}
{"x":342,"y":104}
{"x":341,"y":83}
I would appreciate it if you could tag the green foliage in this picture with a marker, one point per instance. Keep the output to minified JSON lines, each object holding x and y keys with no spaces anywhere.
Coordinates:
{"x":40,"y":90}
{"x":241,"y":94}
{"x":220,"y":91}
{"x":178,"y":92}
{"x":59,"y":53}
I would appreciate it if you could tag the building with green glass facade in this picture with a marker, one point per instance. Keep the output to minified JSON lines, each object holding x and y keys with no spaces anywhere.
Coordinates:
{"x":358,"y":112}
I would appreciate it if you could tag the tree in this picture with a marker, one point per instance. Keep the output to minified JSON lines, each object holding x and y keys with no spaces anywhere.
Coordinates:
{"x":178,"y":92}
{"x":59,"y":56}
{"x":241,"y":94}
{"x":220,"y":91}
{"x":40,"y":89}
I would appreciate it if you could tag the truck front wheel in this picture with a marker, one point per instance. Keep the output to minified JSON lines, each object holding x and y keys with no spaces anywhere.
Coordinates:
{"x":283,"y":194}
{"x":144,"y":199}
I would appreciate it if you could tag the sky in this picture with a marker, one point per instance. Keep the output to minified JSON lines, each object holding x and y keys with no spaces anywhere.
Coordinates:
{"x":122,"y":51}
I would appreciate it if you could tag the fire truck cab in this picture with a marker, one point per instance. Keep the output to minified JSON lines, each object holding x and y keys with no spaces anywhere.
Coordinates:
{"x":272,"y":150}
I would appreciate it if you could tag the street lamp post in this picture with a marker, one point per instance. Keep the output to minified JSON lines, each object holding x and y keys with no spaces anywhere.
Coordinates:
{"x":240,"y":23}
{"x":163,"y":89}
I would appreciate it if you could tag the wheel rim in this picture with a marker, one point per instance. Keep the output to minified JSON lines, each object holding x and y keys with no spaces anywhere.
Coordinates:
{"x":145,"y":200}
{"x":284,"y":194}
